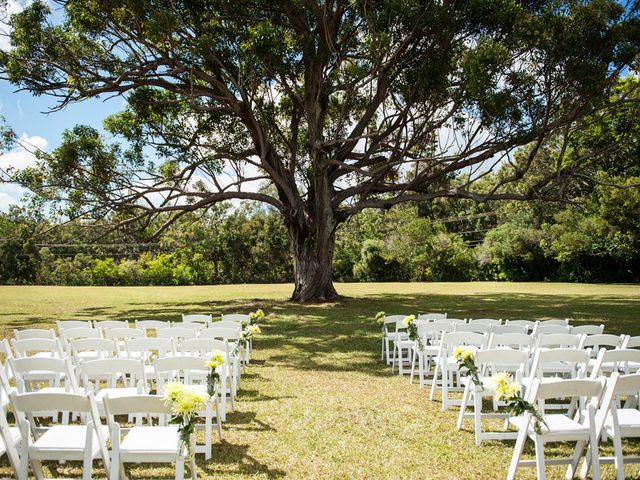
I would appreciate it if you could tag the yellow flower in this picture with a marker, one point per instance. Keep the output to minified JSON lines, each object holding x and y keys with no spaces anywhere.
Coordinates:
{"x":189,"y":402}
{"x":462,"y":354}
{"x":173,"y":390}
{"x":254,"y":329}
{"x":216,"y":359}
{"x":408,"y":319}
{"x":505,"y":388}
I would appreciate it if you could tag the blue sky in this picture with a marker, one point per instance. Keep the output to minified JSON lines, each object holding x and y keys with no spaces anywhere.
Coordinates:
{"x":28,"y":117}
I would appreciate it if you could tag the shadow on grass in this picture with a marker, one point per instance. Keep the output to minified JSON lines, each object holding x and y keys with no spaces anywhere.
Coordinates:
{"x":228,"y":455}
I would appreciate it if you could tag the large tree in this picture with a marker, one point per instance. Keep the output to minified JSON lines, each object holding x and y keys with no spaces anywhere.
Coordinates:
{"x":319,"y":108}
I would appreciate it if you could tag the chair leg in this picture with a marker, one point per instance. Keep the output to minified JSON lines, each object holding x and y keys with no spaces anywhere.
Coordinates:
{"x":414,"y":353}
{"x":445,"y":389}
{"x":595,"y":457}
{"x":208,"y":431}
{"x":575,"y":460}
{"x":434,"y":381}
{"x":36,"y":466}
{"x":618,"y":459}
{"x":192,"y":466}
{"x":477,"y":416}
{"x":517,"y":453}
{"x":463,"y":407}
{"x":180,"y":468}
{"x":540,"y":463}
{"x":218,"y":419}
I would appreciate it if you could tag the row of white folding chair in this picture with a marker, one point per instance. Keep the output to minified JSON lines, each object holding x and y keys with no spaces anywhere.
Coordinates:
{"x":88,"y":440}
{"x":601,"y":415}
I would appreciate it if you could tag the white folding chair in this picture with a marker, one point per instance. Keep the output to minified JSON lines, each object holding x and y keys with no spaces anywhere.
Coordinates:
{"x":616,"y":422}
{"x":530,"y":324}
{"x":37,"y":347}
{"x":67,"y":324}
{"x":197,"y":318}
{"x":10,"y":442}
{"x":5,"y":354}
{"x":155,"y":325}
{"x":389,"y":335}
{"x":447,"y":366}
{"x":587,"y":330}
{"x":121,"y":334}
{"x":624,"y":360}
{"x":34,"y":333}
{"x":192,"y":371}
{"x":430,"y":334}
{"x":523,"y":329}
{"x":84,"y":442}
{"x":540,"y":329}
{"x":559,"y":340}
{"x":176,"y":334}
{"x":84,"y":349}
{"x":486,"y":321}
{"x":222,"y":333}
{"x":71,"y":334}
{"x":489,"y":363}
{"x":243,"y":318}
{"x":473,"y":327}
{"x":515,"y":341}
{"x":147,"y":349}
{"x":144,"y":443}
{"x":402,"y":347}
{"x":196,"y":327}
{"x":129,"y":372}
{"x":110,"y":324}
{"x":602,"y":340}
{"x":555,"y":321}
{"x":432,"y":316}
{"x":559,"y":427}
{"x":30,"y":372}
{"x":224,"y":324}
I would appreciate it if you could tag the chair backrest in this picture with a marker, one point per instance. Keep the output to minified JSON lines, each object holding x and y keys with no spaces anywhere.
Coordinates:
{"x":550,"y":329}
{"x":176,"y":333}
{"x":517,"y":341}
{"x":221,"y":333}
{"x":555,"y":321}
{"x":130,"y":370}
{"x":196,"y":327}
{"x":28,"y":346}
{"x":227,"y":324}
{"x":149,"y":345}
{"x":111,"y":324}
{"x":510,"y":329}
{"x":457,"y":339}
{"x":492,"y":361}
{"x":627,"y":384}
{"x":632,"y":342}
{"x":131,"y":404}
{"x":603,"y":340}
{"x":236,"y":317}
{"x":617,"y":359}
{"x":24,"y":367}
{"x":559,"y":340}
{"x":156,"y":325}
{"x":587,"y":329}
{"x":530,"y":324}
{"x":472,"y":327}
{"x":570,"y":357}
{"x":103,"y":347}
{"x":203,"y":346}
{"x":486,"y":321}
{"x":570,"y":388}
{"x":34,"y":333}
{"x":187,"y":368}
{"x":123,"y":333}
{"x":66,"y":324}
{"x":452,"y":321}
{"x":7,"y":353}
{"x":81,"y":332}
{"x":432,"y":316}
{"x":197,"y":318}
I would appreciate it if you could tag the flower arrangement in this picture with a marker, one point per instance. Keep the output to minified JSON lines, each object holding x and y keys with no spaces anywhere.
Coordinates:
{"x":412,"y":330}
{"x":509,"y":391}
{"x":213,"y":377}
{"x":379,"y":318}
{"x":185,"y":404}
{"x":464,"y":357}
{"x":254,"y":317}
{"x":247,"y":334}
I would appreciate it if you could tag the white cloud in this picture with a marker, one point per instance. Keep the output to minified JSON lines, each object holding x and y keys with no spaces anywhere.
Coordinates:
{"x":8,"y":8}
{"x":17,"y":159}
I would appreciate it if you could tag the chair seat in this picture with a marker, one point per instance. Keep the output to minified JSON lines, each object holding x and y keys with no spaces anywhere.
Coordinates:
{"x":428,"y":350}
{"x":560,"y":428}
{"x":528,"y":380}
{"x":149,"y":440}
{"x":65,"y":442}
{"x":629,"y":421}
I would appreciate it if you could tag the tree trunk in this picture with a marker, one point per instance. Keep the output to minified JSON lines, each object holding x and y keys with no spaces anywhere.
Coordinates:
{"x":313,"y":263}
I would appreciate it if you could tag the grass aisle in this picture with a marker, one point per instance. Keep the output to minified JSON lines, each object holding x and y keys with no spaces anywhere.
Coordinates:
{"x":316,"y":403}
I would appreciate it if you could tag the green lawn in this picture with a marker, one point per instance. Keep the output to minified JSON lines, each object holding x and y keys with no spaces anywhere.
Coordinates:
{"x":317,"y":403}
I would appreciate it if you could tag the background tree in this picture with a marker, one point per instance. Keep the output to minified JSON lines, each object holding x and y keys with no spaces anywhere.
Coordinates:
{"x":318,"y":108}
